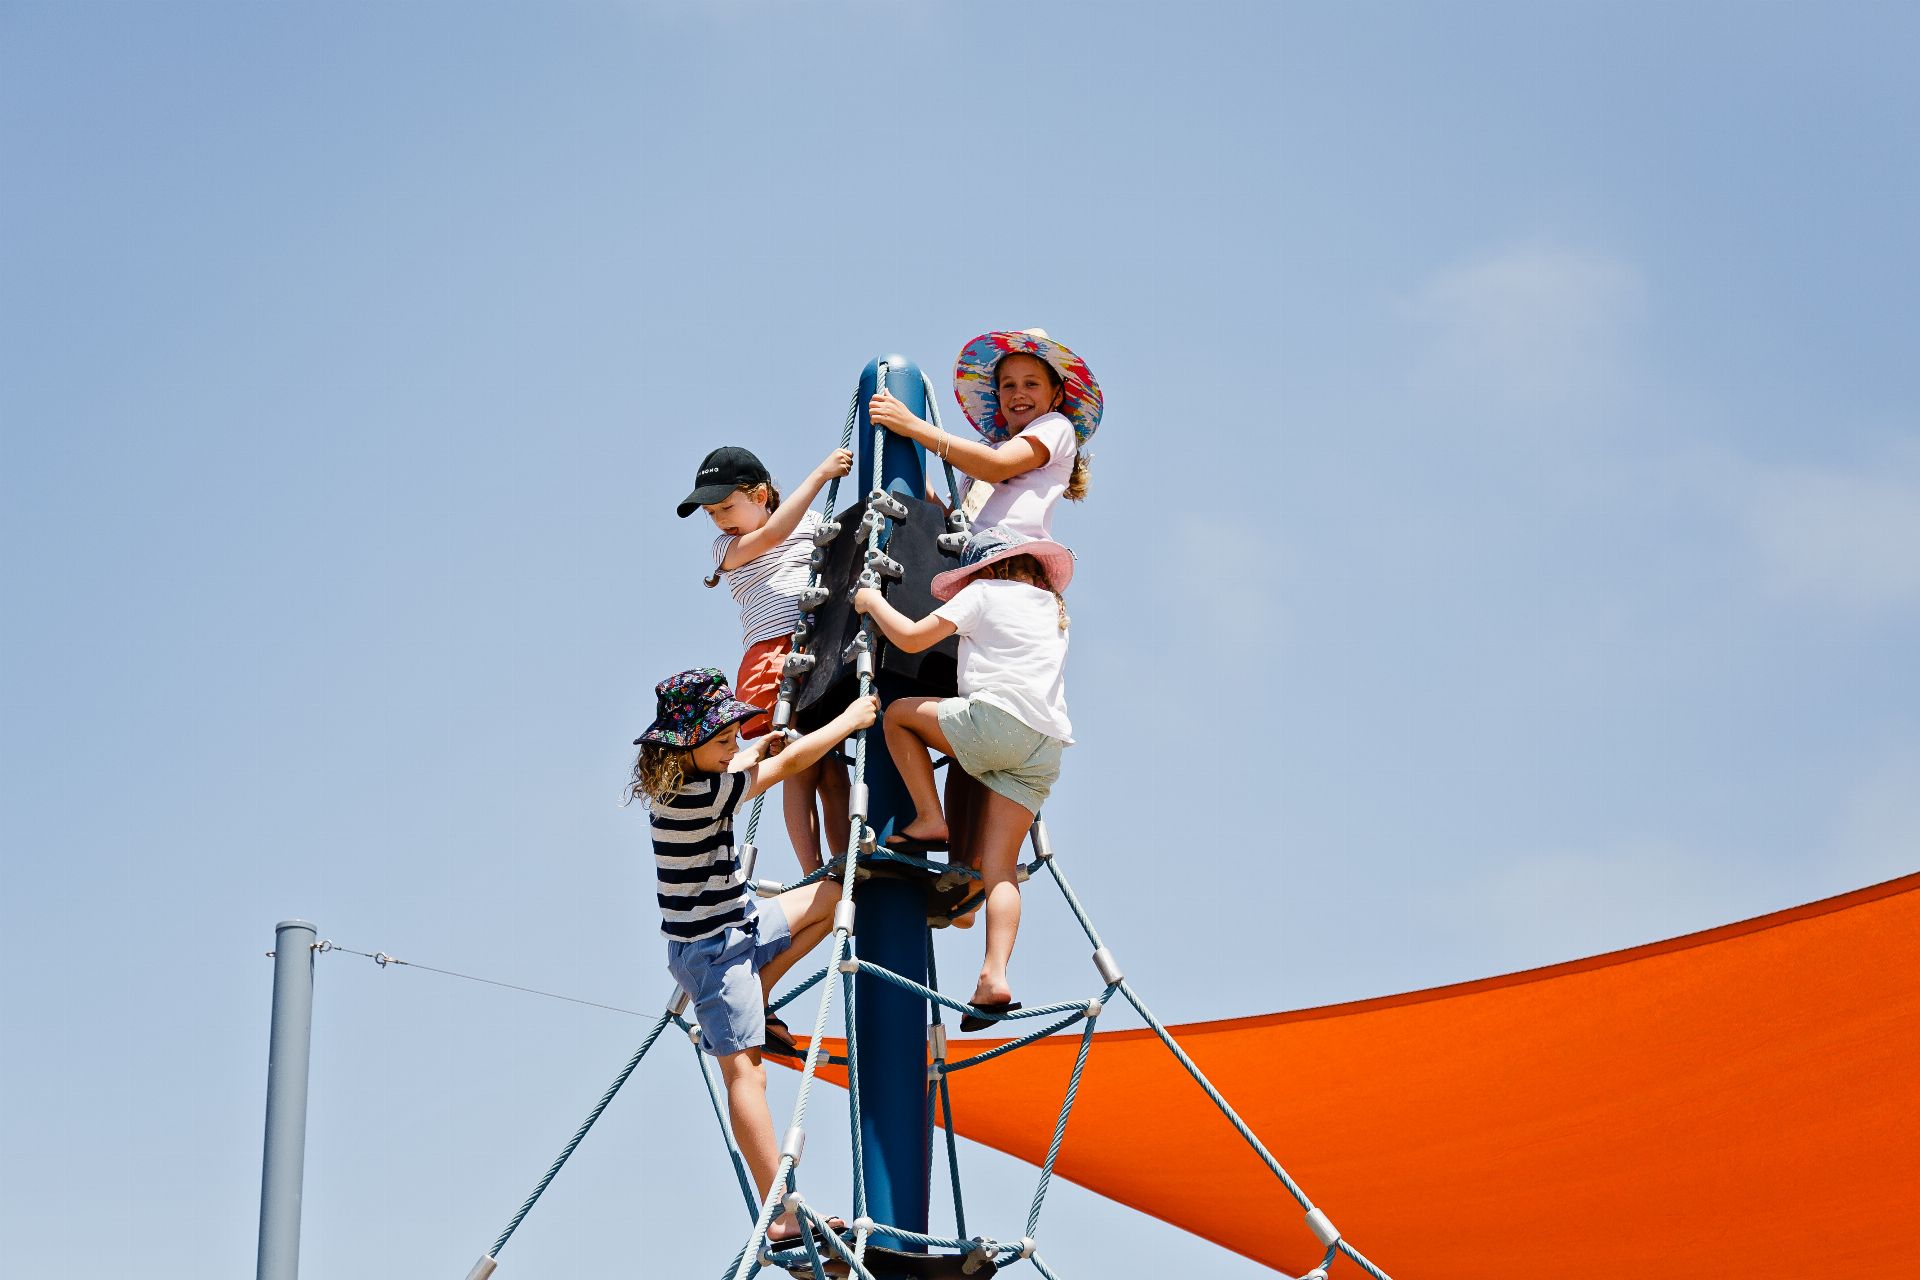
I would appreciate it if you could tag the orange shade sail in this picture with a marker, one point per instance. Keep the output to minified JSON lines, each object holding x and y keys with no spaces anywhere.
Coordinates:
{"x":1739,"y":1102}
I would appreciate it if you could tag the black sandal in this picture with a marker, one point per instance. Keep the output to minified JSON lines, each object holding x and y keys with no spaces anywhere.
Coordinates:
{"x":974,"y":1022}
{"x":780,"y":1040}
{"x":914,"y":847}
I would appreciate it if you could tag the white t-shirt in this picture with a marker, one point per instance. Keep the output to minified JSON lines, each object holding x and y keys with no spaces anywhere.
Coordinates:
{"x":1025,"y":503}
{"x":768,"y":586}
{"x":1013,"y":653}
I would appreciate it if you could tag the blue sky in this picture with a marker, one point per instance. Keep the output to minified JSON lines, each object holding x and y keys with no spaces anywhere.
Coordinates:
{"x":1505,"y":542}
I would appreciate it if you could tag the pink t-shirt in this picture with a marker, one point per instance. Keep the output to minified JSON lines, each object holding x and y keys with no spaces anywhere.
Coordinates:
{"x":1025,"y":503}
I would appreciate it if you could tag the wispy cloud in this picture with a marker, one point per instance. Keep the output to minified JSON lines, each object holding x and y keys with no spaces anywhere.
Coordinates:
{"x":1847,"y":535}
{"x":1530,"y":322}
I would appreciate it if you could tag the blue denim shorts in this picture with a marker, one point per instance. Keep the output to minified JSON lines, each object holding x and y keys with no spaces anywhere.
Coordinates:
{"x":722,"y":975}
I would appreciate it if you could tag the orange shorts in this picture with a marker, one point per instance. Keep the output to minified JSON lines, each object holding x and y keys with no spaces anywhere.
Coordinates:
{"x":759,"y":682}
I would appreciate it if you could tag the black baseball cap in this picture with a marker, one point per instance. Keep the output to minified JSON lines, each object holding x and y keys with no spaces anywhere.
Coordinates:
{"x":720,"y":473}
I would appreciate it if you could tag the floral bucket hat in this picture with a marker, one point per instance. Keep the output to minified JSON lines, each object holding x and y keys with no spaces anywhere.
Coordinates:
{"x":693,"y":706}
{"x":997,"y":542}
{"x":974,"y":386}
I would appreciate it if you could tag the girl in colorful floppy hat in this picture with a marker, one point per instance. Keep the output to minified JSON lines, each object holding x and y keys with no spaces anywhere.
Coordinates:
{"x":1006,"y":729}
{"x":726,"y":948}
{"x":1037,"y":404}
{"x":762,"y":553}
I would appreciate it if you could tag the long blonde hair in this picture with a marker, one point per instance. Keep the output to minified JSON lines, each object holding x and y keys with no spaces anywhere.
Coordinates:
{"x":1030,"y":571}
{"x":658,"y":771}
{"x":1079,"y":481}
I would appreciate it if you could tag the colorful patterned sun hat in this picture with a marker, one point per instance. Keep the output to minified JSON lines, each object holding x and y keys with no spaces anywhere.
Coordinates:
{"x":997,"y":542}
{"x":979,"y":397}
{"x":693,"y":706}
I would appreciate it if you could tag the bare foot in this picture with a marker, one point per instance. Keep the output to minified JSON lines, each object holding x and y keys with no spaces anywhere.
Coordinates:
{"x":987,"y":994}
{"x":786,"y":1231}
{"x":966,"y":921}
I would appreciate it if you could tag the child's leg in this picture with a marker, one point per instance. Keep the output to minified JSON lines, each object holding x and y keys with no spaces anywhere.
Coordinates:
{"x":963,"y":796}
{"x":835,"y":821}
{"x":752,"y":1122}
{"x":912,"y":727}
{"x":1002,"y":826}
{"x":803,"y":827}
{"x":813,"y":833}
{"x":809,"y":912}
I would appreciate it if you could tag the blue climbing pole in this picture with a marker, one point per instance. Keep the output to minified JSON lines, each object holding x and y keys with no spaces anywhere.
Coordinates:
{"x":896,"y":1120}
{"x":885,"y":980}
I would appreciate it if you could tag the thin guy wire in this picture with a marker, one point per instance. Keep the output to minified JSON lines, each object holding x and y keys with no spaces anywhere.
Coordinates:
{"x":382,"y":959}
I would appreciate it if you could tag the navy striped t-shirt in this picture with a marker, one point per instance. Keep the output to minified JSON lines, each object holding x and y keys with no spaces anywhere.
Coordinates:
{"x":767,"y":587}
{"x":700,"y":885}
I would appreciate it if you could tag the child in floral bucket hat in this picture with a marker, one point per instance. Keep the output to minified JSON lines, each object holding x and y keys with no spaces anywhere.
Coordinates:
{"x":1036,"y":403}
{"x":725,"y":948}
{"x":1006,"y":730}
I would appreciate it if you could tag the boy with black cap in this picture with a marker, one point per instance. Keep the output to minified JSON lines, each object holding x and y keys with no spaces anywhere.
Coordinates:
{"x":762,"y":551}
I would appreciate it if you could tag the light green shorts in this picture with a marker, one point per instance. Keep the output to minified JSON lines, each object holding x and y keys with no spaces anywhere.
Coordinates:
{"x":1019,"y":762}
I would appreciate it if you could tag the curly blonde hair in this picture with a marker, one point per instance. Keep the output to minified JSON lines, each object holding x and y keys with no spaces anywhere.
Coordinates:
{"x":1030,"y":571}
{"x":658,"y":771}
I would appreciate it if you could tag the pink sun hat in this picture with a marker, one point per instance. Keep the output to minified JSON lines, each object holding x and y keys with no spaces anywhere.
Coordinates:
{"x":996,"y":542}
{"x":979,"y":397}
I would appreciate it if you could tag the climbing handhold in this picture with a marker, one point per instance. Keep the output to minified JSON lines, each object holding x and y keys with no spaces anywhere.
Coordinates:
{"x":888,"y":505}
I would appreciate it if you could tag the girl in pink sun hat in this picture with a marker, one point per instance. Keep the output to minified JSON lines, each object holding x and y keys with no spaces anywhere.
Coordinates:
{"x":1006,"y":729}
{"x":1036,"y":403}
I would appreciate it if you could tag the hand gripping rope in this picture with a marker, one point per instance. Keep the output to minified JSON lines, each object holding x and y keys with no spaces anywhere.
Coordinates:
{"x":976,"y":1254}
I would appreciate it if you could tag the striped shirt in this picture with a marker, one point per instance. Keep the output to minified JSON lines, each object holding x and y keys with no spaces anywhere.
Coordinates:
{"x":700,"y":885}
{"x":768,"y":586}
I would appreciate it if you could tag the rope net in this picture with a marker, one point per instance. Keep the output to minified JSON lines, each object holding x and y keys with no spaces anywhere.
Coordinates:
{"x":820,"y":1250}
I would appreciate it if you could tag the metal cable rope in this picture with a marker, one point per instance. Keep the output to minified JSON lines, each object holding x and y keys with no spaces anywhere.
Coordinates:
{"x":844,"y":959}
{"x":813,"y":579}
{"x":580,"y":1134}
{"x":842,"y":931}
